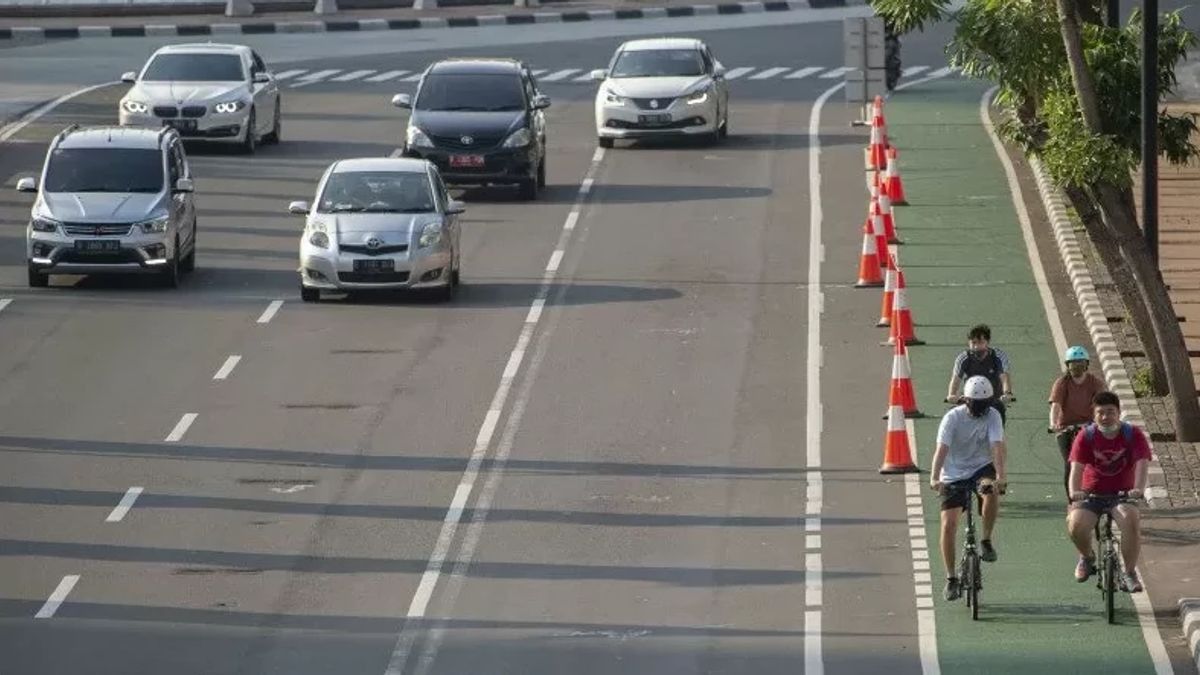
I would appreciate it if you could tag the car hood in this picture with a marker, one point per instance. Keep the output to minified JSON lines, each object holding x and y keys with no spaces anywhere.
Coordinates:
{"x":100,"y":206}
{"x":180,"y":93}
{"x":655,"y":87}
{"x":454,"y":123}
{"x":356,"y":228}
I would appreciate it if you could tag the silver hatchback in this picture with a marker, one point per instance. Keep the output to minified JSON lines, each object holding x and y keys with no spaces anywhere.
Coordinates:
{"x":379,"y":223}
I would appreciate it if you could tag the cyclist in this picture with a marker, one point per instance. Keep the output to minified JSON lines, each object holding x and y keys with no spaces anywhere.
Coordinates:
{"x":1108,"y":457}
{"x":980,"y":358}
{"x":970,"y":446}
{"x":1071,"y":404}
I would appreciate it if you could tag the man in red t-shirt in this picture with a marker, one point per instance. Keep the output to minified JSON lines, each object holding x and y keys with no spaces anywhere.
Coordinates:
{"x":1108,"y":457}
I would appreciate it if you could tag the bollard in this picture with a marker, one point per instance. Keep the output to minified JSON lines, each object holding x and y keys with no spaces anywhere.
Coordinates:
{"x":239,"y":8}
{"x":527,"y":3}
{"x":325,"y":7}
{"x":425,"y":4}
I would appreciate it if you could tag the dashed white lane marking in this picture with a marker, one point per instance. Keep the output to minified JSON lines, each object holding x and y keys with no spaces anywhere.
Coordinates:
{"x":735,"y":73}
{"x":803,"y":73}
{"x":585,"y":77}
{"x":57,"y":597}
{"x":834,"y":73}
{"x":441,"y":548}
{"x":181,"y":428}
{"x":540,"y":72}
{"x":227,"y":367}
{"x":385,"y":76}
{"x":314,"y":77}
{"x":922,"y":579}
{"x":415,"y":77}
{"x":352,"y":75}
{"x":270,"y":311}
{"x":5,"y":302}
{"x":289,"y":73}
{"x":124,"y":505}
{"x":555,"y":259}
{"x":768,"y":73}
{"x":913,"y":70}
{"x":560,"y":75}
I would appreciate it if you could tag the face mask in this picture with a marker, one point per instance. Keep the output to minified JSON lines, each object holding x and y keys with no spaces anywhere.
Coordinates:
{"x":1077,"y":370}
{"x":978,"y":407}
{"x":1109,"y":430}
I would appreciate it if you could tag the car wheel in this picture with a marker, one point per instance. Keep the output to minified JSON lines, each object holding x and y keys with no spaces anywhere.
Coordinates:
{"x":37,"y":279}
{"x":541,"y":174}
{"x":723,"y":132}
{"x":170,"y":273}
{"x":276,"y":128}
{"x":446,"y":293}
{"x":250,"y":142}
{"x":605,"y":142}
{"x":310,"y":294}
{"x":188,"y":264}
{"x":528,"y":189}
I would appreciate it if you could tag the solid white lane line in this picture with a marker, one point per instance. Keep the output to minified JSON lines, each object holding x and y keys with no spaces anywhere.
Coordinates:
{"x":922,"y":577}
{"x":814,"y":659}
{"x":804,"y":72}
{"x":270,"y":311}
{"x":5,"y":302}
{"x":834,"y":73}
{"x":450,"y":523}
{"x":560,"y":75}
{"x":181,"y":428}
{"x":913,"y":70}
{"x":735,"y":73}
{"x":124,"y":505}
{"x":227,"y":367}
{"x":940,"y":72}
{"x":352,"y":75}
{"x":385,"y":76}
{"x":57,"y":597}
{"x":14,"y":128}
{"x":768,"y":73}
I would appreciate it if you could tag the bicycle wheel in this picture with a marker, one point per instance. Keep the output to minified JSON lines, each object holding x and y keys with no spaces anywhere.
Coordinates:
{"x":1110,"y":585}
{"x":974,"y":588}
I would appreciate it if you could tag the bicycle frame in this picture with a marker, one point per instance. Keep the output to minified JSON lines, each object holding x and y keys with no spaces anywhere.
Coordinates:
{"x":969,"y":569}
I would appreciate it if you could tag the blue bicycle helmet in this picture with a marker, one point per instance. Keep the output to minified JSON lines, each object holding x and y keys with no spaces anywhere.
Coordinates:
{"x":1076,"y":354}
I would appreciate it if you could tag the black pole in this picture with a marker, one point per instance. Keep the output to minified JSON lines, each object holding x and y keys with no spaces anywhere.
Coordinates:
{"x":1150,"y":126}
{"x":1114,"y":13}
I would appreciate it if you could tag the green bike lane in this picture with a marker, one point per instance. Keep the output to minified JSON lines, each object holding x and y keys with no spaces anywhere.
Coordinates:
{"x":965,"y":262}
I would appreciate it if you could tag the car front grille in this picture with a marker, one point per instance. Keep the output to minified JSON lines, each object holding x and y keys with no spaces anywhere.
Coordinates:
{"x":362,"y":249}
{"x":165,"y":111}
{"x":367,"y":278}
{"x":456,"y":142}
{"x":123,"y":256}
{"x":194,"y":111}
{"x":97,"y":229}
{"x":653,"y":103}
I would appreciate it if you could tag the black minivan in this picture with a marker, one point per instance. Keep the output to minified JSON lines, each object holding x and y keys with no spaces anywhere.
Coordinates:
{"x":481,"y":121}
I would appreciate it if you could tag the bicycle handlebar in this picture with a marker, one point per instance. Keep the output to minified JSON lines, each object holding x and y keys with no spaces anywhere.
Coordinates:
{"x":1122,"y":497}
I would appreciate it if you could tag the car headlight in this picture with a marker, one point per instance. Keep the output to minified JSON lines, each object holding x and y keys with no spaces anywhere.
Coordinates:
{"x":228,"y":107}
{"x":699,"y":96}
{"x":155,"y":224}
{"x":417,"y":138}
{"x":614,"y":98}
{"x":431,"y":235}
{"x":43,"y":225}
{"x":518,"y":139}
{"x":319,"y":239}
{"x":135,"y":107}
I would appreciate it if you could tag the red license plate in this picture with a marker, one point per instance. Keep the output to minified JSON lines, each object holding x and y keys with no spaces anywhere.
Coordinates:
{"x":473,"y":161}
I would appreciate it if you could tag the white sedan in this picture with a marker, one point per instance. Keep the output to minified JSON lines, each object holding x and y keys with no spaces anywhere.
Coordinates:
{"x":660,"y":88}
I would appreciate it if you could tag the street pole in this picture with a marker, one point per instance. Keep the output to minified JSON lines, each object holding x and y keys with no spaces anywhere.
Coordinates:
{"x":1150,"y":126}
{"x":1114,"y":13}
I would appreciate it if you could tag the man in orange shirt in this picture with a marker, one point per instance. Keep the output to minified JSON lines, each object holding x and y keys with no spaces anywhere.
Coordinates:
{"x":1071,"y":403}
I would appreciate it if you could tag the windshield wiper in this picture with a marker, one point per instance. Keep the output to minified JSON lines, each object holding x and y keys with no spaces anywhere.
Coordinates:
{"x":414,"y":210}
{"x":458,"y":108}
{"x":347,"y":209}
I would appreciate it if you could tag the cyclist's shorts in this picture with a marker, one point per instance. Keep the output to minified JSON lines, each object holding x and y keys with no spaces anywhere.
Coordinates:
{"x":958,"y":499}
{"x":1099,"y":505}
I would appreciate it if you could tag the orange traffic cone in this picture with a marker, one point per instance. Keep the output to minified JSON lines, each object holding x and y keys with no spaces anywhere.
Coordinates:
{"x":901,"y":392}
{"x":902,"y":322}
{"x":889,"y":291}
{"x":885,"y":209}
{"x":870,"y":275}
{"x":897,"y":455}
{"x":881,"y":244}
{"x":879,"y":142}
{"x":895,"y":188}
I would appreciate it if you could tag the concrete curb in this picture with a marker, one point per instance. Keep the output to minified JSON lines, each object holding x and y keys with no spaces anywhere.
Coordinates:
{"x":1189,"y":618}
{"x":1093,"y":315}
{"x":34,"y":33}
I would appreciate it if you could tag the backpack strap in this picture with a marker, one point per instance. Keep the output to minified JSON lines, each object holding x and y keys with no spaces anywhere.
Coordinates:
{"x":1088,"y":432}
{"x":1127,"y":432}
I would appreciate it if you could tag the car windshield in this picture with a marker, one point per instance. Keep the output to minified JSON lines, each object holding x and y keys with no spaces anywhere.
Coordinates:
{"x":658,"y":63}
{"x":194,"y":68}
{"x":472,"y":93}
{"x":376,"y":192}
{"x":104,"y":170}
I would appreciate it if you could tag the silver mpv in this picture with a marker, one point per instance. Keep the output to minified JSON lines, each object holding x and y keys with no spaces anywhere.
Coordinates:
{"x":112,"y":200}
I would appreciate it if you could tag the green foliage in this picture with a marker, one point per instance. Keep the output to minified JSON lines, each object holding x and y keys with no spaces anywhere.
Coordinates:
{"x":1075,"y":157}
{"x":906,"y":16}
{"x":1143,"y":383}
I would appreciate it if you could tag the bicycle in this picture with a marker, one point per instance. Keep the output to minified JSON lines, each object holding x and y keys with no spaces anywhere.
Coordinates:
{"x":1070,"y":431}
{"x":970,"y":573}
{"x":1107,"y":553}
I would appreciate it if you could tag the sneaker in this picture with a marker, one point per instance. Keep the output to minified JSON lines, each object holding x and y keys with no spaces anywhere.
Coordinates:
{"x":953,"y":589}
{"x":1084,"y":569}
{"x":988,"y":552}
{"x":1130,"y":583}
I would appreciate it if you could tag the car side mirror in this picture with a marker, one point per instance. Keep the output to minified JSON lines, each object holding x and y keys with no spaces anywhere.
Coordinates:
{"x":261,"y":78}
{"x":129,"y":78}
{"x":185,"y":185}
{"x":718,"y":70}
{"x":402,"y":101}
{"x":298,"y":208}
{"x":455,"y":207}
{"x":599,"y":75}
{"x":27,"y":185}
{"x":541,"y":101}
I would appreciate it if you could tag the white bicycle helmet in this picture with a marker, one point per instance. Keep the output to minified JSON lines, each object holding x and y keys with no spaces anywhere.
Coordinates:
{"x":978,"y":388}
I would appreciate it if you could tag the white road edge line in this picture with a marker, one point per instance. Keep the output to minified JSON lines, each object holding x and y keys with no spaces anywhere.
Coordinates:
{"x":124,"y":505}
{"x":5,"y":302}
{"x":14,"y":128}
{"x":227,"y":367}
{"x":922,"y":583}
{"x":57,"y":597}
{"x":270,"y":311}
{"x":181,"y":428}
{"x":407,"y":637}
{"x":1150,"y":632}
{"x":814,"y":660}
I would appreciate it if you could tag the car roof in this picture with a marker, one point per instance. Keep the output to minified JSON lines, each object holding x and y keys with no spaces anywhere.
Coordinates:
{"x":476,"y":66}
{"x":661,"y":43}
{"x":111,"y":136}
{"x":396,"y":164}
{"x":204,"y":48}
